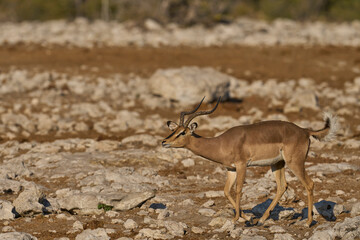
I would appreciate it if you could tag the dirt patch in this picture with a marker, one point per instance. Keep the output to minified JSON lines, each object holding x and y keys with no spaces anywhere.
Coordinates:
{"x":334,"y":65}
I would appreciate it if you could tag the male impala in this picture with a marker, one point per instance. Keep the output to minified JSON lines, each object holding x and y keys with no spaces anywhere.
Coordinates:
{"x":268,"y":143}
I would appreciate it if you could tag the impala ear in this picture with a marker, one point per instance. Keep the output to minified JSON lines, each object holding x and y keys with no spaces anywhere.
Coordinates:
{"x":193,"y":126}
{"x":172,"y":125}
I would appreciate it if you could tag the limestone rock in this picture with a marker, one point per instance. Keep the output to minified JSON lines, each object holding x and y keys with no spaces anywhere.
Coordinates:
{"x":95,"y":234}
{"x":189,"y":85}
{"x":130,"y":224}
{"x":133,"y":200}
{"x":17,"y":236}
{"x":28,"y":201}
{"x":283,"y":236}
{"x":175,"y":228}
{"x":153,"y":233}
{"x":349,"y":229}
{"x":355,"y":210}
{"x":6,"y":210}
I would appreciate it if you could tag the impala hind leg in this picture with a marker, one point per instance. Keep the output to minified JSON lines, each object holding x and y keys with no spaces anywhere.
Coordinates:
{"x":296,"y":162}
{"x":279,"y":172}
{"x":231,"y":177}
{"x":300,"y":173}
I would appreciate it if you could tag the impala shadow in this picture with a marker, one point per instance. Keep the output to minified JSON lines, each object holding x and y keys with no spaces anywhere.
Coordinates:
{"x":324,"y":209}
{"x":260,"y":209}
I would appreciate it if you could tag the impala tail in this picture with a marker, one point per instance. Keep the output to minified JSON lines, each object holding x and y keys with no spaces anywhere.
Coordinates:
{"x":328,"y":133}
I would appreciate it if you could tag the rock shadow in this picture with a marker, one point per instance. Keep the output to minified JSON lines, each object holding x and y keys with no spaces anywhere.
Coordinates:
{"x":324,"y":208}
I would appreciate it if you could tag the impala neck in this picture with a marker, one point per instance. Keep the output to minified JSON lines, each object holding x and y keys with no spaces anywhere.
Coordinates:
{"x":205,"y":147}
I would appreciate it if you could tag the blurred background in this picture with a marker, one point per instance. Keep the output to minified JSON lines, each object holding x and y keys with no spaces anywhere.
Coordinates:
{"x":184,"y":12}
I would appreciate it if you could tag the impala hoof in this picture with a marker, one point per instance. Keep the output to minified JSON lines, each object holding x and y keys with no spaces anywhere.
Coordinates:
{"x":310,"y":223}
{"x":259,"y":223}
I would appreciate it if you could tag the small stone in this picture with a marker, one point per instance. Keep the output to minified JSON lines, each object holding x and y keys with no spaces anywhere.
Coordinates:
{"x":8,"y":229}
{"x":339,"y":192}
{"x":175,"y":228}
{"x":338,"y":209}
{"x":99,"y":233}
{"x":112,"y":214}
{"x":283,"y":236}
{"x":6,"y":210}
{"x":218,"y":221}
{"x":130,"y":224}
{"x":117,"y":221}
{"x":78,"y":225}
{"x":286,"y":214}
{"x":208,"y":204}
{"x":16,"y":235}
{"x":276,"y":229}
{"x":355,"y":210}
{"x":207,"y":212}
{"x":187,"y":202}
{"x":164,"y":214}
{"x":214,"y":194}
{"x":188,"y":162}
{"x":197,"y":230}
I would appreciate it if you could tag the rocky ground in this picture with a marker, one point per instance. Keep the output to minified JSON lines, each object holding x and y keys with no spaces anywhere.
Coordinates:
{"x":80,"y":129}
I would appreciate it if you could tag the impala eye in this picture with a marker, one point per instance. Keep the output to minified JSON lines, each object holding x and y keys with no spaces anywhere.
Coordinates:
{"x":182,"y":133}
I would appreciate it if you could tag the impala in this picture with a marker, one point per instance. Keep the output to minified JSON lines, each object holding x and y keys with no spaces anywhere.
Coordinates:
{"x":268,"y":143}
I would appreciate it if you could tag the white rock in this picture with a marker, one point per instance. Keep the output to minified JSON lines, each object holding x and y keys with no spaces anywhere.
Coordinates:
{"x":27,"y":203}
{"x":153,"y":233}
{"x":349,"y":229}
{"x":207,"y":212}
{"x":152,"y":25}
{"x":189,"y":85}
{"x":208,"y":204}
{"x":78,"y":225}
{"x":323,"y":235}
{"x":252,"y":237}
{"x":332,"y":167}
{"x":133,"y":200}
{"x":305,"y":99}
{"x":6,"y":210}
{"x":197,"y":230}
{"x":16,"y":236}
{"x":276,"y":229}
{"x":214,"y":194}
{"x":88,"y":202}
{"x":218,"y":221}
{"x":143,"y":139}
{"x":227,"y":227}
{"x":355,"y":210}
{"x":93,"y":234}
{"x":175,"y":228}
{"x":7,"y":185}
{"x":286,"y":214}
{"x":188,"y":162}
{"x":283,"y":236}
{"x":130,"y":224}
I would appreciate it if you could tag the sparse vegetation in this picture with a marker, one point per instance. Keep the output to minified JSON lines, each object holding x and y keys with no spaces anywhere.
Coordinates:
{"x":184,"y":12}
{"x":105,"y":207}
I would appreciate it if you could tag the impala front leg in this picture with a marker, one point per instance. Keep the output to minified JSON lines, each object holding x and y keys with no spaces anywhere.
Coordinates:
{"x":240,"y":178}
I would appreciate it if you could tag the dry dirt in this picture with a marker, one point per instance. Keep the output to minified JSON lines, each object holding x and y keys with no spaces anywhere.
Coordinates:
{"x":335,"y":65}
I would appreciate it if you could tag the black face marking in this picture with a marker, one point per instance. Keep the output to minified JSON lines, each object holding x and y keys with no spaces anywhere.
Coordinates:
{"x":182,"y":133}
{"x":170,"y":135}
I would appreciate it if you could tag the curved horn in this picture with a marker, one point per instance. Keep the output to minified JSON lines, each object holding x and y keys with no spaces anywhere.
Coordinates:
{"x":182,"y":114}
{"x":195,"y":114}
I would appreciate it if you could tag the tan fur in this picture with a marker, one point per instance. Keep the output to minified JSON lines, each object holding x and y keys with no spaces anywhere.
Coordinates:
{"x":274,"y":143}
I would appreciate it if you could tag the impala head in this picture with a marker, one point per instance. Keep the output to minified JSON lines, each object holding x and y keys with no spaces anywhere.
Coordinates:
{"x":182,"y":132}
